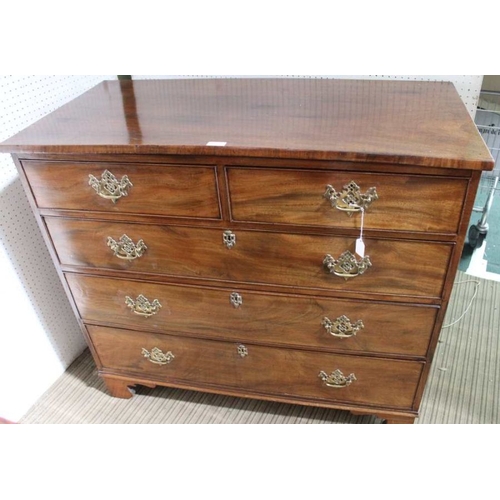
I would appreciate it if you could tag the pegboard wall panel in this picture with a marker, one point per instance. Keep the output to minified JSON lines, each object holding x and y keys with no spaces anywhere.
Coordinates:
{"x":468,"y":86}
{"x":38,"y":322}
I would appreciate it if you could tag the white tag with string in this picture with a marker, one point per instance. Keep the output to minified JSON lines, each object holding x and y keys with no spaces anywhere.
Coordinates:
{"x":360,"y":244}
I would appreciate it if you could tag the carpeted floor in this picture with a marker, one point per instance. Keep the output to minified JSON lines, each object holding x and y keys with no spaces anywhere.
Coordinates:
{"x":464,"y":384}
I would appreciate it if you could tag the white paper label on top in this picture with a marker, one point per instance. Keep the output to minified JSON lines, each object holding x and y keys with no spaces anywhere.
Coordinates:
{"x":216,"y":143}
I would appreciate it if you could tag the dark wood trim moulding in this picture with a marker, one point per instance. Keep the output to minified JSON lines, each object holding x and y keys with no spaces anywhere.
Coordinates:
{"x":262,"y":161}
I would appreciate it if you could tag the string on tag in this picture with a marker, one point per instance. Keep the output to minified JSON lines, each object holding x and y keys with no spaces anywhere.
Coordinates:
{"x":362,"y":223}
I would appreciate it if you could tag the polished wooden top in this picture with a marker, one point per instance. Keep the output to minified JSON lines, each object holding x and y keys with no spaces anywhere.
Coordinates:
{"x":415,"y":123}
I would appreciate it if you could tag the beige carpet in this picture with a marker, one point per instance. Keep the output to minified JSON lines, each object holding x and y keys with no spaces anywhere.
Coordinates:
{"x":464,"y":384}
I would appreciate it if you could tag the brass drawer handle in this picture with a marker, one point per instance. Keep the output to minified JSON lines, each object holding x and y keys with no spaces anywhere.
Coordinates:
{"x":126,"y":249}
{"x":109,"y":187}
{"x":346,"y":266}
{"x":142,"y":306}
{"x":342,"y":327}
{"x":337,"y":379}
{"x":350,"y":199}
{"x":157,"y":356}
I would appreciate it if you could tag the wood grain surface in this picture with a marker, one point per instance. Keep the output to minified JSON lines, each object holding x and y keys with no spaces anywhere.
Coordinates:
{"x":413,"y":203}
{"x":406,"y":268}
{"x":272,"y":319}
{"x":268,"y":370}
{"x":281,"y":142}
{"x":161,"y":189}
{"x":415,"y":123}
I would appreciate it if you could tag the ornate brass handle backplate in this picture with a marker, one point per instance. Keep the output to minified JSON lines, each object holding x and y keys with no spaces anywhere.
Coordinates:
{"x":350,"y":199}
{"x":109,"y":187}
{"x":337,"y":379}
{"x":125,"y":248}
{"x":342,"y":327}
{"x":157,"y":356}
{"x":142,"y":306}
{"x":346,"y":266}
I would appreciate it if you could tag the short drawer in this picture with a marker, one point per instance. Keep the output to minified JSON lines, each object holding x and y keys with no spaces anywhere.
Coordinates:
{"x":416,"y":203}
{"x":268,"y":318}
{"x":169,"y":190}
{"x":257,"y":369}
{"x":403,"y":268}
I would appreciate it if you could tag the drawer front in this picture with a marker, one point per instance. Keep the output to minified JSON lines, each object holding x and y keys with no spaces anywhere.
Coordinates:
{"x":263,"y":370}
{"x":398,"y":267}
{"x":268,"y":318}
{"x":405,"y":202}
{"x":177,"y":191}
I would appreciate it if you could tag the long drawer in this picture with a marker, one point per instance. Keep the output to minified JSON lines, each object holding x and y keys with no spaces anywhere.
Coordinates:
{"x":416,"y":203}
{"x":403,"y":268}
{"x":257,"y":369}
{"x":249,"y":316}
{"x":151,"y":189}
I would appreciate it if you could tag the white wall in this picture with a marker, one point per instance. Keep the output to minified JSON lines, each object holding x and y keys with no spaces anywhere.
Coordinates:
{"x":39,"y":336}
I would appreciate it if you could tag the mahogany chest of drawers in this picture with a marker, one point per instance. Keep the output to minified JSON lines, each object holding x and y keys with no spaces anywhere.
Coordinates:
{"x":206,"y":232}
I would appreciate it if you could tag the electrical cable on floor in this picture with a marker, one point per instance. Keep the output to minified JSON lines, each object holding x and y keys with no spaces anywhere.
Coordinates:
{"x":470,"y":303}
